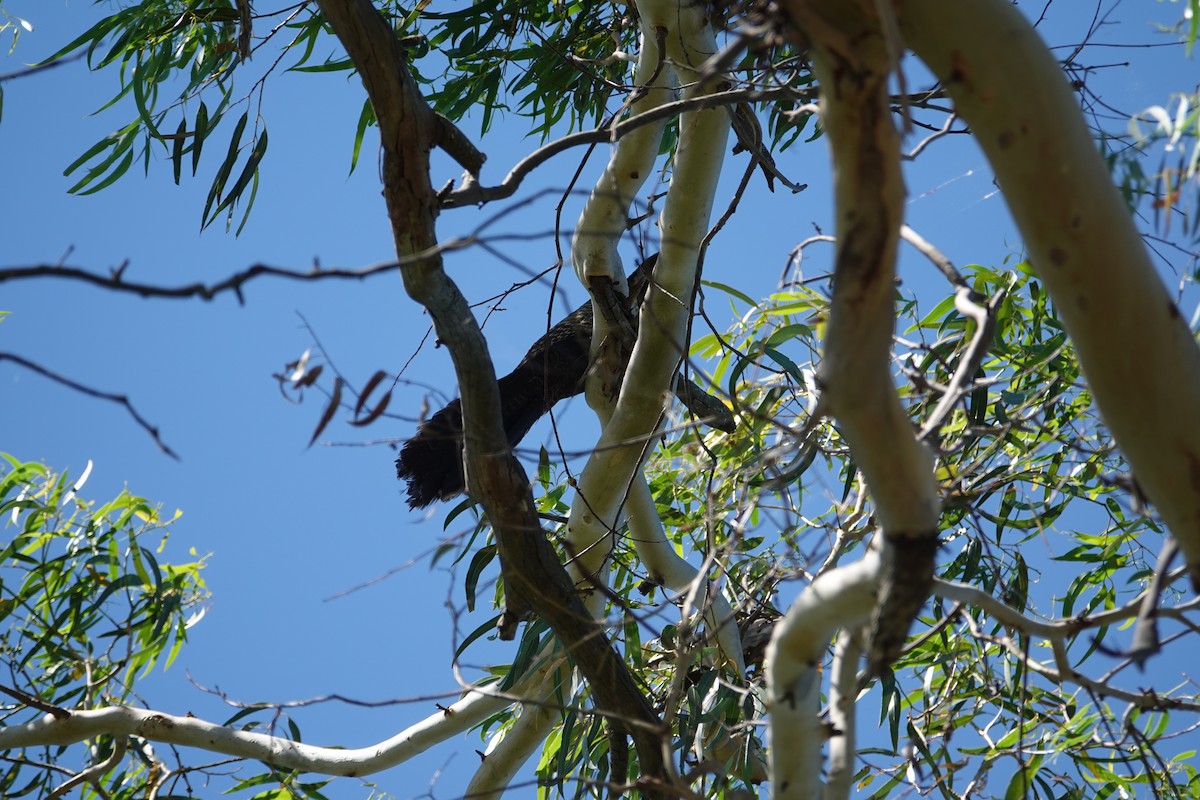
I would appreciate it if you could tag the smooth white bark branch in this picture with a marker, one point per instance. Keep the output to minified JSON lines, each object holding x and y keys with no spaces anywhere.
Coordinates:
{"x":518,"y":743}
{"x":479,"y":704}
{"x":665,"y":565}
{"x":594,"y":254}
{"x":856,"y":364}
{"x":1141,"y":360}
{"x":663,"y":317}
{"x":844,"y":597}
{"x":852,"y":57}
{"x":605,"y":217}
{"x":610,"y":472}
{"x":276,"y":750}
{"x":843,"y":693}
{"x":601,"y":224}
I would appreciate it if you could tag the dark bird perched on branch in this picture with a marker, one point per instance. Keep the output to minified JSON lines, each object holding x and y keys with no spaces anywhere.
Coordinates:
{"x":553,"y":369}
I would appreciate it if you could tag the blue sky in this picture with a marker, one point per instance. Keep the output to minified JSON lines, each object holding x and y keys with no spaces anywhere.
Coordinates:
{"x":289,"y":526}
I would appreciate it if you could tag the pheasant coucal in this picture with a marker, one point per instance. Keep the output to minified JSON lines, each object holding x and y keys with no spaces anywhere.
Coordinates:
{"x":553,"y":370}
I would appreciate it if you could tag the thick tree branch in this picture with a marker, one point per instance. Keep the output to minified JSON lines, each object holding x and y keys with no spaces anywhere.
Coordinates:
{"x":853,"y":60}
{"x":1141,"y":361}
{"x":534,"y":579}
{"x":844,"y":597}
{"x":670,"y":42}
{"x":504,"y":758}
{"x":638,"y":410}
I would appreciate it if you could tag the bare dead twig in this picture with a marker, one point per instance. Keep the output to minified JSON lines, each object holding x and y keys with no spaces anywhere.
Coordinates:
{"x":119,"y":399}
{"x":233,"y":283}
{"x":36,"y":68}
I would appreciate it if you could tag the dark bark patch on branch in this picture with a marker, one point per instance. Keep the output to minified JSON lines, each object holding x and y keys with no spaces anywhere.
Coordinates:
{"x":903,"y":591}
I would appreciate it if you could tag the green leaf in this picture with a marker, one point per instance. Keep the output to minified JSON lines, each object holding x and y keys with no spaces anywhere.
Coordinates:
{"x":1019,"y":785}
{"x":218,"y":184}
{"x":484,"y":556}
{"x":248,"y":171}
{"x":116,"y":173}
{"x":531,"y":644}
{"x":482,"y":630}
{"x":177,"y":149}
{"x":93,"y":34}
{"x":365,"y":118}
{"x":141,"y":84}
{"x":202,"y":129}
{"x":246,"y":217}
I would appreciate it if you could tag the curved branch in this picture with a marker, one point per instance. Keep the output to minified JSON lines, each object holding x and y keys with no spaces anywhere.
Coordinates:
{"x":505,"y":757}
{"x":233,"y":283}
{"x":534,"y":579}
{"x":1141,"y":361}
{"x":119,"y":399}
{"x":473,"y":194}
{"x":844,"y":597}
{"x":664,"y":314}
{"x":852,"y":57}
{"x":672,"y":570}
{"x":92,"y":773}
{"x":190,"y":731}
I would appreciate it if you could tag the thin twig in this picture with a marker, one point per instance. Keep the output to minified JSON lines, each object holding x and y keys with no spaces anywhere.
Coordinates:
{"x":120,"y":399}
{"x":204,"y":291}
{"x":36,"y":68}
{"x":961,"y":382}
{"x":35,"y":702}
{"x":472,"y":193}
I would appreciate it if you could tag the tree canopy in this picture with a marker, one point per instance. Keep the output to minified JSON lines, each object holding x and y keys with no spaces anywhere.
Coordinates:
{"x":934,"y":535}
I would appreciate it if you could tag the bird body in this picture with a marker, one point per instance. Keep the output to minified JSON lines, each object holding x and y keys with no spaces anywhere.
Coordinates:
{"x":553,"y":370}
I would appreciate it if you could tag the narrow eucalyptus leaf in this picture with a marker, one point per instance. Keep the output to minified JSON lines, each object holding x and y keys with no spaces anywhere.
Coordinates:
{"x":177,"y":150}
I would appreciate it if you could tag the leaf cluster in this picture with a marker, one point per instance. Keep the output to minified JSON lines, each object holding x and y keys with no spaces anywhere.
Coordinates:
{"x":775,"y":502}
{"x":87,"y":608}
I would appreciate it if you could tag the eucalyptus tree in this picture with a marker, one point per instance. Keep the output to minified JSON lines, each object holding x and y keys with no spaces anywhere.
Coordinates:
{"x":692,"y":619}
